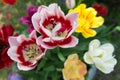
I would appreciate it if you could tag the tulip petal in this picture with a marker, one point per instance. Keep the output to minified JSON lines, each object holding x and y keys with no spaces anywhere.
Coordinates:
{"x":33,"y":35}
{"x":25,"y":68}
{"x":98,"y":21}
{"x":69,"y":42}
{"x":56,"y":10}
{"x":94,"y":44}
{"x":21,"y":38}
{"x":108,"y":47}
{"x":112,"y":62}
{"x":47,"y":45}
{"x":13,"y":41}
{"x":13,"y":54}
{"x":102,"y":66}
{"x":88,"y":58}
{"x":7,"y":30}
{"x":35,"y":19}
{"x":72,"y":17}
{"x":99,"y":64}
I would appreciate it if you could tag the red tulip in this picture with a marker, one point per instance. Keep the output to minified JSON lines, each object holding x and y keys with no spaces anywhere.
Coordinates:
{"x":10,"y":2}
{"x":5,"y":32}
{"x":102,"y":10}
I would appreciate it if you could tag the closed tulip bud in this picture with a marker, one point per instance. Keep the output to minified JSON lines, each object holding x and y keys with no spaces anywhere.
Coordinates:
{"x":70,"y":3}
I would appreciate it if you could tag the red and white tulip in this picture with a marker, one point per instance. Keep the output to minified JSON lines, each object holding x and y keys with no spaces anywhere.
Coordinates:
{"x":25,"y":51}
{"x":55,"y":27}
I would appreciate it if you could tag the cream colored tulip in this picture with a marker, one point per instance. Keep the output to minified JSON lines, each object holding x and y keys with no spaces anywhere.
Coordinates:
{"x":101,"y":56}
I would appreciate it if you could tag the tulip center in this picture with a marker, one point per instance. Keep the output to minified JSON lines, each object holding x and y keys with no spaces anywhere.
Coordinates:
{"x":62,"y":34}
{"x":58,"y":27}
{"x":50,"y":27}
{"x":100,"y":56}
{"x":31,"y":52}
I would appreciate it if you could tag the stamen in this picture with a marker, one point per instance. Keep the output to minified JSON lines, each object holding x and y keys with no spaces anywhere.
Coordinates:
{"x":62,"y":34}
{"x":50,"y":27}
{"x":31,"y":52}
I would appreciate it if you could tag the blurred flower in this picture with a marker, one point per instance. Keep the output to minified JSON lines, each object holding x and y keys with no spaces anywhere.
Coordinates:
{"x":74,"y":69}
{"x":1,"y":16}
{"x":8,"y":16}
{"x":70,"y":4}
{"x":102,"y":10}
{"x":27,"y":19}
{"x":14,"y":76}
{"x":87,"y":20}
{"x":55,"y":27}
{"x":30,"y":29}
{"x":25,"y":51}
{"x":10,"y":2}
{"x":5,"y":32}
{"x":101,"y":56}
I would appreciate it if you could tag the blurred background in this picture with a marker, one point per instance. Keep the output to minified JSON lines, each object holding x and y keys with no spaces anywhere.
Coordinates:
{"x":10,"y":14}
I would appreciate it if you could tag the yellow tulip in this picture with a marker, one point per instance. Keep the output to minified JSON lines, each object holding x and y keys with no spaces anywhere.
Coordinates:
{"x":87,"y":20}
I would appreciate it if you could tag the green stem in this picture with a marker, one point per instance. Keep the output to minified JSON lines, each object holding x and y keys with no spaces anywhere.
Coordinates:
{"x":78,"y":3}
{"x":58,"y":69}
{"x":109,"y":33}
{"x":60,"y":55}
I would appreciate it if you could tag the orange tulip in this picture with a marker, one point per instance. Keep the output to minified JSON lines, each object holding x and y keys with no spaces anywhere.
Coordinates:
{"x":74,"y":69}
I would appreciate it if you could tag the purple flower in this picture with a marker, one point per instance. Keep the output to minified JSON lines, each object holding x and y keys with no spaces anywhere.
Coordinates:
{"x":31,"y":10}
{"x":26,"y":20}
{"x":15,"y":76}
{"x":30,"y":29}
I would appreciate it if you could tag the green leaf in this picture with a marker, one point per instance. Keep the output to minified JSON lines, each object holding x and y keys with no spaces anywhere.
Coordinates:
{"x":38,"y":1}
{"x":117,"y":28}
{"x":55,"y":75}
{"x":41,"y":64}
{"x":49,"y":68}
{"x":60,"y":55}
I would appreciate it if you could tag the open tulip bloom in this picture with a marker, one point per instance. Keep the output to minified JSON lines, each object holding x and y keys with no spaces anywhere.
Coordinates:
{"x":55,"y":27}
{"x":54,"y":30}
{"x":25,"y":51}
{"x":101,"y":56}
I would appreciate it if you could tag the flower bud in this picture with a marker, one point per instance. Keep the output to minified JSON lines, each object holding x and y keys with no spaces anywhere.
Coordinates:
{"x":70,"y":3}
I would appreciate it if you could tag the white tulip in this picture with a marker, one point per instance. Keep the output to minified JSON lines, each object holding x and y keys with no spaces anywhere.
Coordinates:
{"x":101,"y":56}
{"x":70,"y":4}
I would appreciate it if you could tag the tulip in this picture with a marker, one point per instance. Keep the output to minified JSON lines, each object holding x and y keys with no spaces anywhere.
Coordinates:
{"x":101,"y":56}
{"x":70,"y":4}
{"x":87,"y":20}
{"x":55,"y":27}
{"x":25,"y":51}
{"x":5,"y":32}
